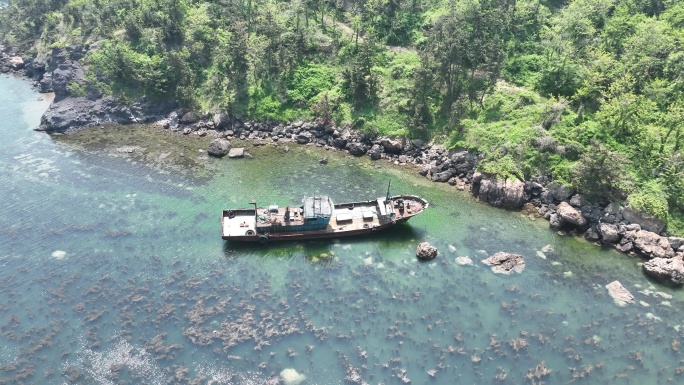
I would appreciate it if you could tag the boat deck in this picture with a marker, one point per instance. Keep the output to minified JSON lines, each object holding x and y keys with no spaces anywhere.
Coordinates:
{"x":348,"y":217}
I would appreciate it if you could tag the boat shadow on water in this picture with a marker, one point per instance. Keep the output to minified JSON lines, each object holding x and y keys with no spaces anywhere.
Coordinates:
{"x":401,"y":233}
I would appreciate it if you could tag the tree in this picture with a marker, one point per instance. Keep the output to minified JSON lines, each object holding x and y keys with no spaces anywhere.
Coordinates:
{"x":601,"y":174}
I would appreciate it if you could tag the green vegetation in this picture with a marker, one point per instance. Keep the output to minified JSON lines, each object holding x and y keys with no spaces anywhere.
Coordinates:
{"x":588,"y":91}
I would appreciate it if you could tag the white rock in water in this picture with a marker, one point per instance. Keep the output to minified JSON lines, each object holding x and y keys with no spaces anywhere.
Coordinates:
{"x":291,"y":377}
{"x":556,"y":263}
{"x":541,"y":254}
{"x":567,"y":274}
{"x":620,"y":295}
{"x":644,"y":304}
{"x":59,"y":254}
{"x":547,"y":249}
{"x":368,"y":261}
{"x":452,"y":248}
{"x":380,"y":265}
{"x":653,"y":317}
{"x":464,"y":261}
{"x":666,"y":303}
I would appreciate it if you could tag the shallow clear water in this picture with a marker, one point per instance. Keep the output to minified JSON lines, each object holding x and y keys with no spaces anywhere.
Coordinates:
{"x":113,"y":271}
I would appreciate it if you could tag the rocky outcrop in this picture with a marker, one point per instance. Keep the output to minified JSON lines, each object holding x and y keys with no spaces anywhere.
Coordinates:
{"x":648,"y":244}
{"x":620,"y":295}
{"x":505,"y":263}
{"x":556,"y":192}
{"x":497,"y":192}
{"x":426,"y":251}
{"x":666,"y":270}
{"x":645,"y":220}
{"x":74,"y":113}
{"x":219,"y":147}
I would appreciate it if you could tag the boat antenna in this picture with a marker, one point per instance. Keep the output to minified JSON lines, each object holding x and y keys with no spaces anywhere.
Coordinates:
{"x":388,"y":191}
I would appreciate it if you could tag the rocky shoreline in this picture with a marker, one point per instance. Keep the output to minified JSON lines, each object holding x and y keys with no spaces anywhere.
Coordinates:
{"x":623,"y":228}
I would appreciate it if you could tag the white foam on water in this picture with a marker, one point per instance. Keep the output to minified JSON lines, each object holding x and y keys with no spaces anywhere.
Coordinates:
{"x":59,"y":254}
{"x":99,"y":364}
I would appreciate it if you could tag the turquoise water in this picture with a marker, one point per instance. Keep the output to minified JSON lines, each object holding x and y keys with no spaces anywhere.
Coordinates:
{"x":113,"y":271}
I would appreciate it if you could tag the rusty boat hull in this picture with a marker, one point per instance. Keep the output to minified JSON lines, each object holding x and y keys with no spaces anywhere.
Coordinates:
{"x":319,"y":218}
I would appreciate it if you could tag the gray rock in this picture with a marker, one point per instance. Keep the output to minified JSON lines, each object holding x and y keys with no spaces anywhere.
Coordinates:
{"x":578,"y":201}
{"x":443,"y":176}
{"x":502,"y":193}
{"x":612,"y":209}
{"x":426,"y":251}
{"x":189,"y":118}
{"x":620,"y":295}
{"x":676,"y":242}
{"x":356,"y":148}
{"x":592,"y":234}
{"x":392,"y":146}
{"x":237,"y":152}
{"x":625,"y":246}
{"x":505,"y":263}
{"x":666,"y":270}
{"x":375,"y":152}
{"x":571,"y":216}
{"x":609,"y":232}
{"x":645,"y":220}
{"x":221,"y":120}
{"x":304,"y":137}
{"x":219,"y":147}
{"x":558,"y":191}
{"x":555,"y":221}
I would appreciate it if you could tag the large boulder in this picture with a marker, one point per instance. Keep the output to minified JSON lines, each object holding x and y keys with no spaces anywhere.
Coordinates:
{"x":375,"y":152}
{"x":649,"y":244}
{"x":505,"y":263}
{"x":426,"y":251}
{"x":392,"y":146}
{"x":609,"y":232}
{"x":463,"y":162}
{"x":645,"y":220}
{"x":503,"y":193}
{"x":16,"y":63}
{"x":219,"y":147}
{"x":677,"y":243}
{"x":620,"y":295}
{"x":558,"y":191}
{"x":357,"y":148}
{"x":189,"y":118}
{"x":304,"y":137}
{"x":666,"y":270}
{"x":570,"y":216}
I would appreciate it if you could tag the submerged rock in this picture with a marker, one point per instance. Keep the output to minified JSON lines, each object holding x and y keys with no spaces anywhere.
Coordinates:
{"x":620,"y":295}
{"x":667,"y":270}
{"x":291,"y":377}
{"x":505,"y":263}
{"x":426,"y":251}
{"x":464,"y":261}
{"x":238,"y":152}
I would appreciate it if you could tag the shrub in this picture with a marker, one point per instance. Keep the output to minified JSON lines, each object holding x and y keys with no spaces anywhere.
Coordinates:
{"x":650,"y":198}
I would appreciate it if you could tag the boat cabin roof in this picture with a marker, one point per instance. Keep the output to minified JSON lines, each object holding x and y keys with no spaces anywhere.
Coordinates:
{"x":318,"y":206}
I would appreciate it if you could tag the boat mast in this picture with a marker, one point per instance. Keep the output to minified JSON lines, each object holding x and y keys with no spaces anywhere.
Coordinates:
{"x":387,"y":199}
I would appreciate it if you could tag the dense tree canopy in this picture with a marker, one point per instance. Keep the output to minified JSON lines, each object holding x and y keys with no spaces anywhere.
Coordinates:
{"x":537,"y":86}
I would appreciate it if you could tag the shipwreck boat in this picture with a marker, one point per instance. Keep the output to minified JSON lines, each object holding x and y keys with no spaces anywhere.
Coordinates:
{"x":318,"y":217}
